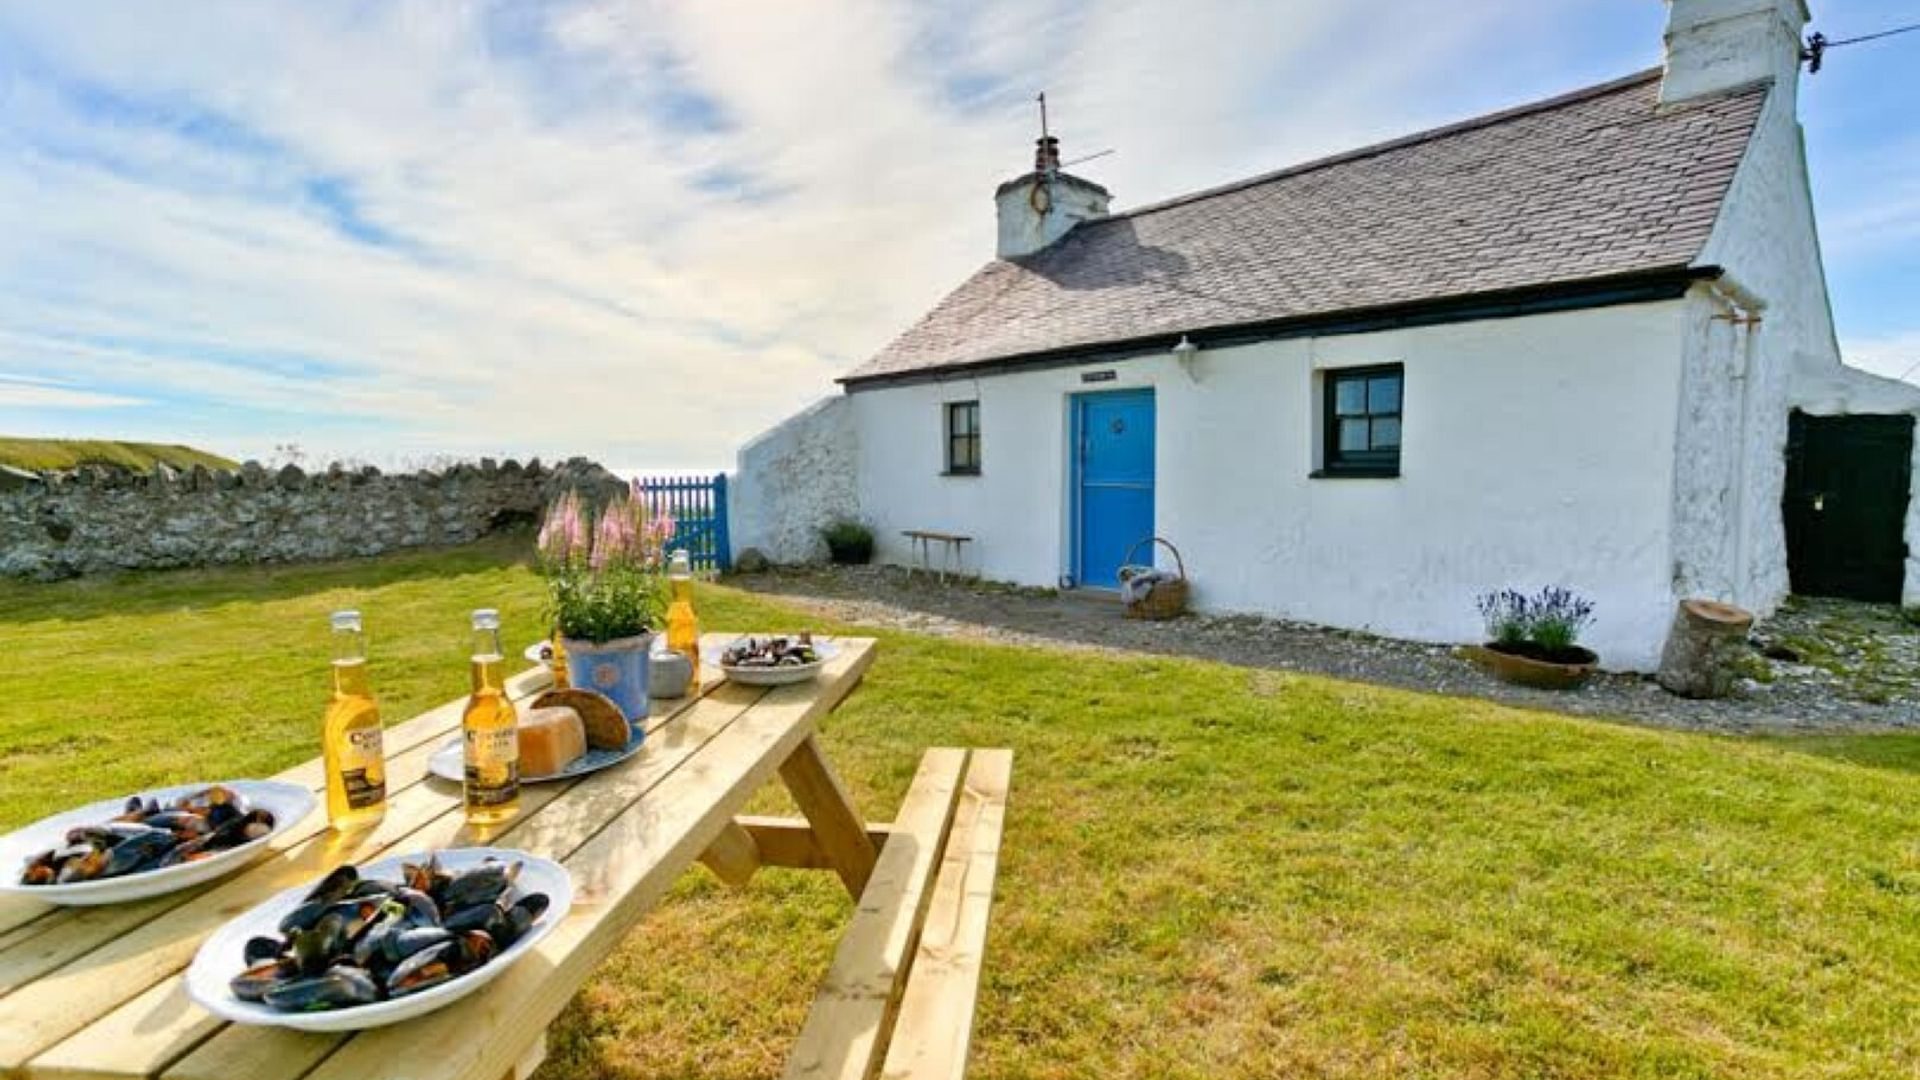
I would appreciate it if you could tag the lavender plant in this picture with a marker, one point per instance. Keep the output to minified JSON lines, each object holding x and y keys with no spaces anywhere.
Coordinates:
{"x":1558,"y":616}
{"x":1549,"y":621}
{"x":1506,"y":613}
{"x":606,"y":576}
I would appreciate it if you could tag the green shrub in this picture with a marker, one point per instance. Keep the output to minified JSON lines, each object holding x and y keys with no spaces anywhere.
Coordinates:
{"x":849,"y":542}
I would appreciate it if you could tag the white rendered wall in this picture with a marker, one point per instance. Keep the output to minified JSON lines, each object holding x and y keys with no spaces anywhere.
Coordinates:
{"x":793,"y":479}
{"x":1730,"y":539}
{"x":1538,"y":451}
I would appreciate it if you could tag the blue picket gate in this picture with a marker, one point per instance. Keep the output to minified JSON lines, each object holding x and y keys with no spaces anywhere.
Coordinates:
{"x":698,"y":505}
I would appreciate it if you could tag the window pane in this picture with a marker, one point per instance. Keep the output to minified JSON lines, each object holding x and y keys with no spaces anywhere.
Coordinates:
{"x":970,"y":417}
{"x":1350,"y":397}
{"x":1386,"y":434}
{"x":1383,"y":394}
{"x":1353,"y":435}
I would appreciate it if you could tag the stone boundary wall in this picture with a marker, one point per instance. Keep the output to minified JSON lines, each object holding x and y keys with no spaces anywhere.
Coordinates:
{"x":101,"y":520}
{"x":792,"y":480}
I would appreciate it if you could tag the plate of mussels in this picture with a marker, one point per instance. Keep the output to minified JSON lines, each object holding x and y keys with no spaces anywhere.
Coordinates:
{"x":375,"y":944}
{"x":773,"y":660}
{"x":145,"y":845}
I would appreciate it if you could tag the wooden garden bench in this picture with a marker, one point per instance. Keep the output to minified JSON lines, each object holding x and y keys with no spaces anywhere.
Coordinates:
{"x":898,"y":1000}
{"x":953,"y":550}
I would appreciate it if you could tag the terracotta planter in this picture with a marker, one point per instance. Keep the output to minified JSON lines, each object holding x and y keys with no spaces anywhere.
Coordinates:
{"x":1526,"y":671}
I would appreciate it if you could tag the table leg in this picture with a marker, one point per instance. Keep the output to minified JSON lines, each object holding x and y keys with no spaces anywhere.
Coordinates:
{"x":529,"y":1061}
{"x":841,"y":831}
{"x":733,"y":856}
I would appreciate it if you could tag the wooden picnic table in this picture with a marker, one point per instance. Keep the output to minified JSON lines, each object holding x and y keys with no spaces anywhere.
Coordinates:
{"x":97,"y":992}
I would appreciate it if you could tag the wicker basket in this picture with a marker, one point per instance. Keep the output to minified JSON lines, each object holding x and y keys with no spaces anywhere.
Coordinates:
{"x":1167,"y":599}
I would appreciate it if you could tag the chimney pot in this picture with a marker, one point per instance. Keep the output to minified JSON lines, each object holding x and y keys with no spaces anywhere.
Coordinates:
{"x":1046,"y":154}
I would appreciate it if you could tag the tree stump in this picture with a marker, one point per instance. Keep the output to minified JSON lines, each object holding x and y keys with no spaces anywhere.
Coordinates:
{"x":1706,"y":636}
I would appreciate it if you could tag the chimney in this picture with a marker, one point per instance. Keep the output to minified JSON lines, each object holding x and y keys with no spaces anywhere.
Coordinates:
{"x":1715,"y":45}
{"x":1039,"y":208}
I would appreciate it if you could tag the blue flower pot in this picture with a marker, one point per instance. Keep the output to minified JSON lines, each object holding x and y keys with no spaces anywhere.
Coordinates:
{"x":617,"y":669}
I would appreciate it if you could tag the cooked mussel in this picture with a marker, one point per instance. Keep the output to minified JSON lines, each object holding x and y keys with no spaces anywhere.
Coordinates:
{"x":427,"y":968}
{"x":483,"y":884}
{"x":141,"y":852}
{"x":337,"y":987}
{"x":261,"y":949}
{"x":253,"y":983}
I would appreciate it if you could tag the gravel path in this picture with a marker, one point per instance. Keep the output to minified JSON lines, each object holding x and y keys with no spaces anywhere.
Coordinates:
{"x":1830,"y":666}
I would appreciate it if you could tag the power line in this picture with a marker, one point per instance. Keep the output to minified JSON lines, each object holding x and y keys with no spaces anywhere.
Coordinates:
{"x":1817,"y":45}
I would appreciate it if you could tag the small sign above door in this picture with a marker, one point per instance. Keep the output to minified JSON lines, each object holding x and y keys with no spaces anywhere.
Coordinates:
{"x":1096,"y":376}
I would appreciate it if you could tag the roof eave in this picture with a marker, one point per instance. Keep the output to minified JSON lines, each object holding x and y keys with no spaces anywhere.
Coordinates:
{"x":1635,"y":287}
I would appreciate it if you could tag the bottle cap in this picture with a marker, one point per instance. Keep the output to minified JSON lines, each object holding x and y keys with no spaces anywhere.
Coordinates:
{"x":347,"y":620}
{"x":486,"y":618}
{"x":679,"y":562}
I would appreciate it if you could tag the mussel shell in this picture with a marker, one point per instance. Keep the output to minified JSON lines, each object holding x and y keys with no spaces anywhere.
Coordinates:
{"x":477,"y":917}
{"x":261,"y":949}
{"x":182,"y":822}
{"x":421,"y":910}
{"x":254,"y":983}
{"x":137,"y":853}
{"x":338,"y":882}
{"x":427,"y":968}
{"x":334,"y":988}
{"x":481,"y":885}
{"x":320,"y":945}
{"x":401,"y":944}
{"x":86,"y":865}
{"x":109,"y":833}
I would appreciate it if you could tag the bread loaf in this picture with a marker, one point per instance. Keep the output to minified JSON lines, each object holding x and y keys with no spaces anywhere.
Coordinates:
{"x":607,"y":727}
{"x":550,"y":739}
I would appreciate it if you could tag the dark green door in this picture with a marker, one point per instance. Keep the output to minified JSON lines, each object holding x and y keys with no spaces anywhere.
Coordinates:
{"x":1848,"y":479}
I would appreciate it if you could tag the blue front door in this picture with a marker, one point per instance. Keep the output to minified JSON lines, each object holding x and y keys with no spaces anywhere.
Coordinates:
{"x":1113,"y":483}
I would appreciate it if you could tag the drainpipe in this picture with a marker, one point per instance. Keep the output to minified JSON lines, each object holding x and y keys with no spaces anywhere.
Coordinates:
{"x":1741,"y":311}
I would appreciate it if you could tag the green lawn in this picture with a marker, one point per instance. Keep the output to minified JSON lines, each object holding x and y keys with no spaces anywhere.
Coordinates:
{"x":40,"y":455}
{"x":1208,"y":871}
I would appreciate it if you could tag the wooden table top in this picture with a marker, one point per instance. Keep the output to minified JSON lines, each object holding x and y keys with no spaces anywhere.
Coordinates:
{"x":98,"y":992}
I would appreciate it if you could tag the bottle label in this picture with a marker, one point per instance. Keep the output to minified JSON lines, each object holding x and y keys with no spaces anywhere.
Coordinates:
{"x":492,"y":766}
{"x":363,"y":768}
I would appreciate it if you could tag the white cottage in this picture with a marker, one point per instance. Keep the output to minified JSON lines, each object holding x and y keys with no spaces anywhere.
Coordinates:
{"x":1584,"y":341}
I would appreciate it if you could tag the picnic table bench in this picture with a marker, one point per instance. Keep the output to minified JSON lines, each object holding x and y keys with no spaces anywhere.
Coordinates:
{"x":97,"y":992}
{"x":952,"y":550}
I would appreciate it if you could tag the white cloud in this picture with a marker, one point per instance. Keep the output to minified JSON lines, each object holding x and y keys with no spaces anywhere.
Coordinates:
{"x":19,"y":391}
{"x":638,"y":230}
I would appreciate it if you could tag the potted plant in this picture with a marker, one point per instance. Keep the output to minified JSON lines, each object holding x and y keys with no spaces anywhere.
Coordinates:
{"x":1534,"y":640}
{"x":849,"y":542}
{"x":607,"y":591}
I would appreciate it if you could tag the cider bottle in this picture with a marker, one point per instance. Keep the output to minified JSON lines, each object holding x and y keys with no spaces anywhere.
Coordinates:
{"x":350,"y":743}
{"x":490,"y":730}
{"x":557,"y":661}
{"x":683,"y":626}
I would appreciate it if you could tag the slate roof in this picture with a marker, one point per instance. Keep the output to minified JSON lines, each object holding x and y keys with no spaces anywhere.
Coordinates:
{"x":1591,"y":185}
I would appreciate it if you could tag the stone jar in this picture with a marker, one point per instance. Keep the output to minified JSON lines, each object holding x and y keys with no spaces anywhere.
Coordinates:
{"x":671,"y":675}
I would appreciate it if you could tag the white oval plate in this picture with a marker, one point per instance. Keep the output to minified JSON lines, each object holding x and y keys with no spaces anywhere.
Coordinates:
{"x":288,"y":802}
{"x":222,"y":956}
{"x":773,"y":676}
{"x":450,"y":761}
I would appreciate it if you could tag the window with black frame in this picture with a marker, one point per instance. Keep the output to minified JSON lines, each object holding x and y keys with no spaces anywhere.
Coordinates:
{"x":1363,"y":421}
{"x":963,"y":438}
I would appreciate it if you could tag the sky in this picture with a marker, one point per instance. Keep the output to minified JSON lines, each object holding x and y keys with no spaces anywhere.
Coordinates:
{"x":396,"y":231}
